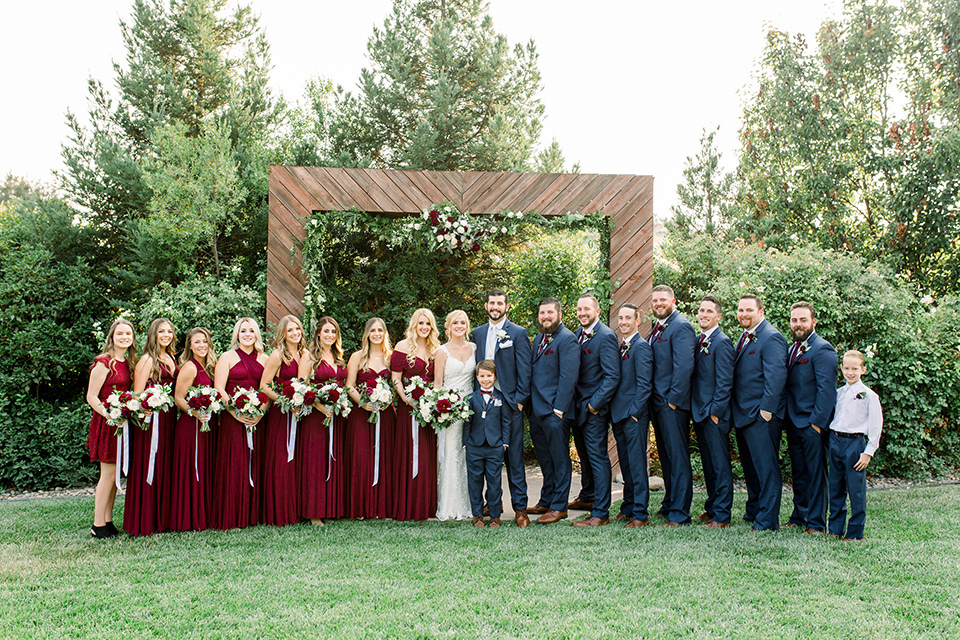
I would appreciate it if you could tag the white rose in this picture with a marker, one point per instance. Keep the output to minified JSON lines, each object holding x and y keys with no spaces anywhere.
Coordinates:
{"x":503,"y":230}
{"x":297,"y":398}
{"x":416,"y":226}
{"x":133,"y":405}
{"x":154,"y":401}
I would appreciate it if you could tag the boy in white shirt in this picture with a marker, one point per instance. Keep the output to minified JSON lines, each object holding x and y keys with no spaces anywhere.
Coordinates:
{"x":854,"y":438}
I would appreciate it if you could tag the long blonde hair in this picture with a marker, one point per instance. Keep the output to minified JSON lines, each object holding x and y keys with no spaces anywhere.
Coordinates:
{"x":210,"y":362}
{"x":316,"y":347}
{"x":108,"y":345}
{"x":449,"y":321}
{"x":155,"y":351}
{"x":280,"y":340}
{"x":365,"y":342}
{"x":235,"y":338}
{"x":433,"y":340}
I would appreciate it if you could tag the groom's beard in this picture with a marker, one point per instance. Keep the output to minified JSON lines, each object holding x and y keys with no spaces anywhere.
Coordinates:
{"x":494,"y":319}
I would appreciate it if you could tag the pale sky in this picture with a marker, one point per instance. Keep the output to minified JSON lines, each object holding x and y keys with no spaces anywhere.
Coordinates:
{"x":628,"y":86}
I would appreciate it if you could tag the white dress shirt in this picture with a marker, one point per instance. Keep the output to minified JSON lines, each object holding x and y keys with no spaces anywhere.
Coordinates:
{"x":491,"y":345}
{"x":859,"y":414}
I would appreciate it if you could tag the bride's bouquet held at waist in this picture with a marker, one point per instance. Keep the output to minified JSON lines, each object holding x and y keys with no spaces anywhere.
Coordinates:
{"x":441,"y":408}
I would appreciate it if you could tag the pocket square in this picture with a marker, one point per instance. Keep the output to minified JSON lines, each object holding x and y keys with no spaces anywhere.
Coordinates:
{"x":548,"y":351}
{"x":586,"y":350}
{"x":659,"y":339}
{"x":625,"y":356}
{"x":506,"y":344}
{"x":750,"y":353}
{"x":802,"y":361}
{"x":497,"y":403}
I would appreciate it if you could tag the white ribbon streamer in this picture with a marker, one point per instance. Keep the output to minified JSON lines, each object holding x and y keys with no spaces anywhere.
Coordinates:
{"x":123,"y":453}
{"x":416,"y":444}
{"x":291,"y":436}
{"x":376,"y":454}
{"x":196,"y":446}
{"x":250,"y":460}
{"x":154,"y":444}
{"x":331,"y":459}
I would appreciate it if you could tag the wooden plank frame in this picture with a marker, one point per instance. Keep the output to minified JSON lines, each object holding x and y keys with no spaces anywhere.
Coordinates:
{"x":297,"y":192}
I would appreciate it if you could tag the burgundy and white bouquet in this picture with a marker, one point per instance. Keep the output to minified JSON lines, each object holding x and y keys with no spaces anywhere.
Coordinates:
{"x":122,"y":407}
{"x":205,"y":401}
{"x":440,"y":408}
{"x":378,"y":392}
{"x":156,"y":398}
{"x":296,"y":397}
{"x":249,"y":403}
{"x":334,"y":396}
{"x":416,"y":389}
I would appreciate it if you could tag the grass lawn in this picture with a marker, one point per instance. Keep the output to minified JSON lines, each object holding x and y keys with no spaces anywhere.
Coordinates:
{"x":386,"y":579}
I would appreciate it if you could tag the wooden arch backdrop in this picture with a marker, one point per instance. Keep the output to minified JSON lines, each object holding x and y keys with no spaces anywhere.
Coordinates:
{"x":298,"y":192}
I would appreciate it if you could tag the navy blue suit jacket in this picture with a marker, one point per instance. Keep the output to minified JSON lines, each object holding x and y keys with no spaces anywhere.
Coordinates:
{"x":636,"y":376}
{"x":673,"y":352}
{"x":599,"y":370}
{"x":492,"y":429}
{"x":760,"y":376}
{"x":713,"y":378}
{"x":554,"y":374}
{"x":812,"y":383}
{"x":513,"y":361}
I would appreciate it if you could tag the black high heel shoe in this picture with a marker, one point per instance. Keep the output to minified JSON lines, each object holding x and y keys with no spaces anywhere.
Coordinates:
{"x":100,"y":533}
{"x":112,"y":529}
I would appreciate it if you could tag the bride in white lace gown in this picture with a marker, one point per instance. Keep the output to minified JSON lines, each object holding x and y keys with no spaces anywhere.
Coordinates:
{"x":455,"y":364}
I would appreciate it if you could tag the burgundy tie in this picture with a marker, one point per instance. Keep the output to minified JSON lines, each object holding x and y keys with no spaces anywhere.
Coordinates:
{"x":702,"y":338}
{"x":743,"y":340}
{"x":795,"y":353}
{"x":543,"y":345}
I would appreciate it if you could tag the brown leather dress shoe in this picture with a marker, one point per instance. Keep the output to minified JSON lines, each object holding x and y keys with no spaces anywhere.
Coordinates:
{"x":704,"y":517}
{"x":552,"y":516}
{"x":579,"y":505}
{"x":813,"y":532}
{"x":494,"y":524}
{"x":478,"y":522}
{"x":592,"y":521}
{"x":713,"y":524}
{"x":671,"y":523}
{"x":623,"y":517}
{"x":636,"y":524}
{"x":522,"y":519}
{"x":537,"y":510}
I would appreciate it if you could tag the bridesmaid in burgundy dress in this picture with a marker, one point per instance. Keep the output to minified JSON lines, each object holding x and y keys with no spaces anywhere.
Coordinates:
{"x":416,"y":497}
{"x":278,"y":491}
{"x":146,"y":507}
{"x":191,"y":469}
{"x":320,"y":475}
{"x":368,"y":478}
{"x":110,"y":371}
{"x":236,"y":467}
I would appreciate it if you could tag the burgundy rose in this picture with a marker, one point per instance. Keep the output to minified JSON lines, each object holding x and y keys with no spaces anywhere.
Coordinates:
{"x":287,"y":390}
{"x":475,"y":247}
{"x":195,"y":403}
{"x":241,"y":402}
{"x":450,"y":218}
{"x":262,"y":397}
{"x":444,"y":405}
{"x":309,"y":397}
{"x":434,"y":218}
{"x":334,"y":395}
{"x":417,"y":393}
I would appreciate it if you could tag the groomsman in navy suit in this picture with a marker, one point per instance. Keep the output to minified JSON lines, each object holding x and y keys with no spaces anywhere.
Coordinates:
{"x":758,"y":406}
{"x":631,"y":417}
{"x":596,"y":384}
{"x":710,"y":403}
{"x":673,"y":341}
{"x":811,"y":395}
{"x":556,"y":363}
{"x":508,"y":345}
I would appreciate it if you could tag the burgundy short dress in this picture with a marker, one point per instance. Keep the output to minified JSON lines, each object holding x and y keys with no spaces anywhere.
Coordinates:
{"x":235,"y":501}
{"x":146,"y":506}
{"x":191,"y":471}
{"x":414,"y":498}
{"x":320,"y":476}
{"x":278,"y":488}
{"x":102,"y":439}
{"x":368,"y":484}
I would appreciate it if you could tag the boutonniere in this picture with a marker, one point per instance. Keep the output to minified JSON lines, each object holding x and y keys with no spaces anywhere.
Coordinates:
{"x":547,"y":339}
{"x":501,"y":335}
{"x":705,"y":347}
{"x":625,"y":350}
{"x":753,"y":337}
{"x":587,"y":335}
{"x":861,"y":395}
{"x":804,"y":346}
{"x":497,"y":403}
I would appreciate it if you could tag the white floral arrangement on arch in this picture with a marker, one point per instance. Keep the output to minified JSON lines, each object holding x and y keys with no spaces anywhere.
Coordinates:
{"x":453,"y":230}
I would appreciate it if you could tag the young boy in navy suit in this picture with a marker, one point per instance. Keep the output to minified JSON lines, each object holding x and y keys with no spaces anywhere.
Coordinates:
{"x":854,"y":438}
{"x":486,"y":438}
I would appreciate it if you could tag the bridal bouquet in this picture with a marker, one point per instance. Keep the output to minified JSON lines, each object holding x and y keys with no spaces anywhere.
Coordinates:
{"x":205,"y":401}
{"x":333,"y":395}
{"x":440,"y":408}
{"x":379,"y":393}
{"x":249,"y":403}
{"x":122,"y":406}
{"x":296,"y":397}
{"x":156,"y":398}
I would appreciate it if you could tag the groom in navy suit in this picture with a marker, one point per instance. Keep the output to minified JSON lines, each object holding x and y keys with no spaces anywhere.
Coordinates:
{"x":508,"y":345}
{"x":556,"y":363}
{"x":811,"y":395}
{"x":596,"y":384}
{"x":673,"y":341}
{"x":630,"y":414}
{"x":758,"y":406}
{"x":710,"y":403}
